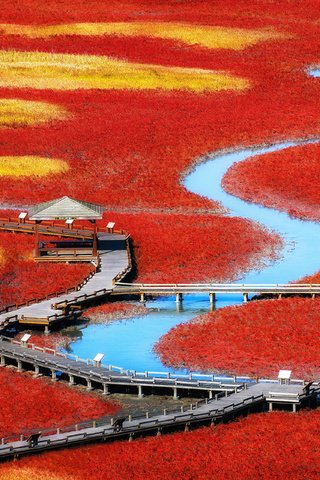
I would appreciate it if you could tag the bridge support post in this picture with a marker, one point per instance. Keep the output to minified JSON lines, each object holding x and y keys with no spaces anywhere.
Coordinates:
{"x":3,"y":361}
{"x":105,"y":389}
{"x":175,"y":393}
{"x":245,"y":297}
{"x":313,"y":296}
{"x":212,"y":297}
{"x":19,"y":365}
{"x":294,"y":408}
{"x":71,"y":379}
{"x":210,"y":394}
{"x":36,"y":370}
{"x":179,"y":297}
{"x":89,"y":384}
{"x":46,"y":330}
{"x":142,"y":298}
{"x":270,"y":407}
{"x":53,"y":375}
{"x":279,"y":296}
{"x":140,"y":394}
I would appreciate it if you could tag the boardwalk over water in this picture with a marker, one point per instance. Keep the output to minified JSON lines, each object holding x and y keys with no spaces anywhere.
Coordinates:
{"x":224,"y":400}
{"x":179,"y":289}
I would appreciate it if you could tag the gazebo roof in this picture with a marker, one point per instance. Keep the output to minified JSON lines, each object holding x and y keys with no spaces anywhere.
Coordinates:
{"x":64,"y":208}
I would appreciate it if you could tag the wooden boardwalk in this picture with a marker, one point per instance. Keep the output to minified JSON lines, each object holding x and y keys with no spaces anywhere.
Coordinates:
{"x":207,"y":412}
{"x":108,"y":378}
{"x":113,"y":261}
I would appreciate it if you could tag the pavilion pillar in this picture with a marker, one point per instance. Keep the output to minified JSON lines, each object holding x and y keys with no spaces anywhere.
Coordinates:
{"x":36,"y":231}
{"x":95,"y":243}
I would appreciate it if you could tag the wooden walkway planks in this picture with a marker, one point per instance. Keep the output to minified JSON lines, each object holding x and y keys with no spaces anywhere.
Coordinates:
{"x":203,"y":413}
{"x":113,"y":261}
{"x":105,"y":377}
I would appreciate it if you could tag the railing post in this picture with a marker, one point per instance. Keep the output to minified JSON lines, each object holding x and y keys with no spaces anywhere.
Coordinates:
{"x":89,"y":384}
{"x":105,"y":389}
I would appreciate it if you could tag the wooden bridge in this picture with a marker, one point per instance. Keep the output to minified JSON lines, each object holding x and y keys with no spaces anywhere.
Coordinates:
{"x":179,"y":289}
{"x":230,"y":399}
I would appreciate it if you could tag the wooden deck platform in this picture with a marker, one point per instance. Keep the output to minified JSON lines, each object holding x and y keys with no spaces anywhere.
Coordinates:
{"x":113,"y":261}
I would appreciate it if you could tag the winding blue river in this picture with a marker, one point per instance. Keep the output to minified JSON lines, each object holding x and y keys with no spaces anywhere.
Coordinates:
{"x":129,"y":343}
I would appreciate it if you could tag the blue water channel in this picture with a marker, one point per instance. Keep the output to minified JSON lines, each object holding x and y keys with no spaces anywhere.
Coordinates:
{"x":129,"y":343}
{"x":314,"y":72}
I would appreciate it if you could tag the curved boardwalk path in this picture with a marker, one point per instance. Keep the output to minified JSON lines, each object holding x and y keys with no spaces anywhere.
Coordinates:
{"x":114,"y":261}
{"x":224,"y":400}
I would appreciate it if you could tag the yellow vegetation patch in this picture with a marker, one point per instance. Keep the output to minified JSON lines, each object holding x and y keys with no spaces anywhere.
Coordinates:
{"x":15,"y":473}
{"x":29,"y":165}
{"x":71,"y":72}
{"x":20,"y":113}
{"x":205,"y":36}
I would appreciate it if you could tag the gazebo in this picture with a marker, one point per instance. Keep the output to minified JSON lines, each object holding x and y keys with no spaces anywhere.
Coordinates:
{"x":68,"y":209}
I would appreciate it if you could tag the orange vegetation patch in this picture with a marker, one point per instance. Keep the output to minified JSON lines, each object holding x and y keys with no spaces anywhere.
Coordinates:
{"x":28,"y":403}
{"x":203,"y":35}
{"x":16,"y":473}
{"x":41,"y":70}
{"x":287,"y":180}
{"x":21,"y":113}
{"x":247,"y":449}
{"x":114,"y":311}
{"x":258,"y":338}
{"x":31,"y":166}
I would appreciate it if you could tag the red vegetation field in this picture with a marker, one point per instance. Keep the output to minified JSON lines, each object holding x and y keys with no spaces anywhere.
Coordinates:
{"x":271,"y":446}
{"x":133,"y":146}
{"x":28,"y":403}
{"x":114,"y":311}
{"x":190,"y":248}
{"x":128,"y":150}
{"x":224,"y":248}
{"x":286,"y":180}
{"x":258,"y":338}
{"x":54,"y":340}
{"x":22,"y":279}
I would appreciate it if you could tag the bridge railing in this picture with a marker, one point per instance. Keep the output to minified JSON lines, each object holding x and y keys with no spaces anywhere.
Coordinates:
{"x":117,"y":279}
{"x":190,"y":376}
{"x":131,"y":423}
{"x":290,"y":286}
{"x":58,"y":226}
{"x":67,"y":291}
